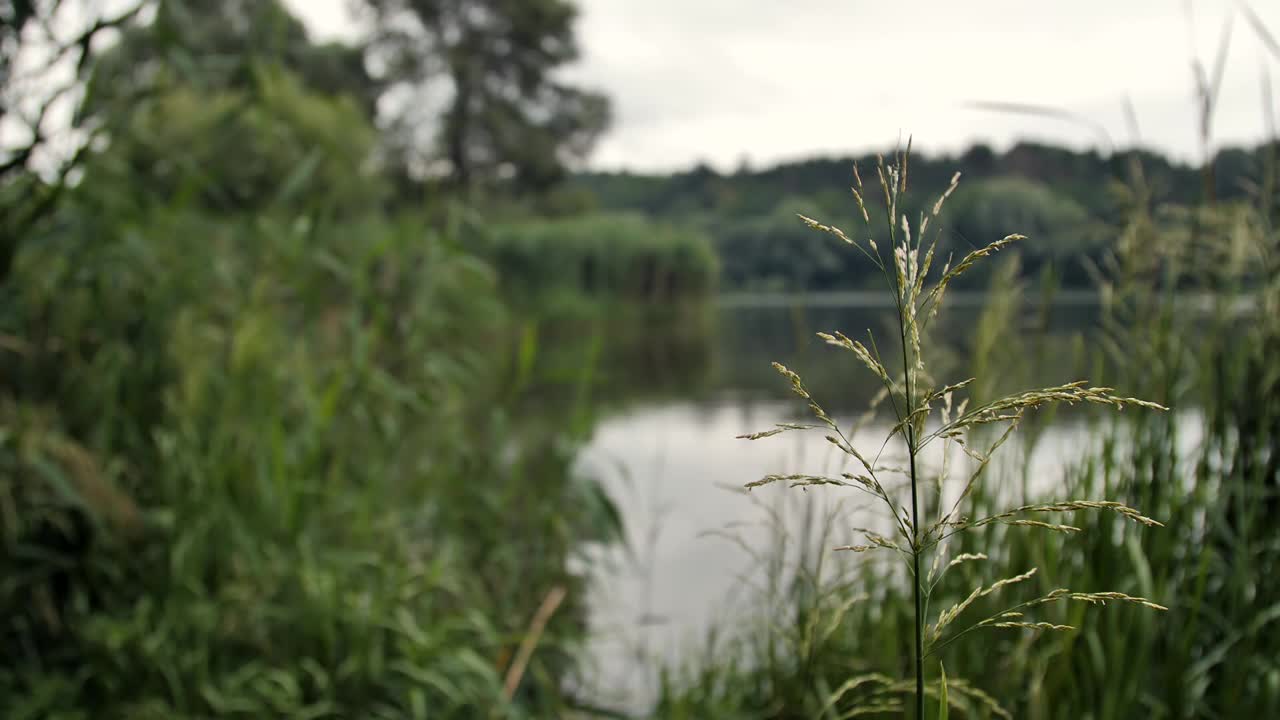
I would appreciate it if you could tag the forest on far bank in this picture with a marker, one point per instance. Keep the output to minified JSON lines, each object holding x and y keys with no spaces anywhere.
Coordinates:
{"x":1068,"y":203}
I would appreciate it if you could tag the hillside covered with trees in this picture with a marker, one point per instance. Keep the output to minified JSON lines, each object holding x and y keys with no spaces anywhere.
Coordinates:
{"x":1068,"y":203}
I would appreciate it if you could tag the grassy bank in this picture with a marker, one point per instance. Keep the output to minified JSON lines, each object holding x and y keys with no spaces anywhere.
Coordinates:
{"x":824,"y":626}
{"x":267,"y":467}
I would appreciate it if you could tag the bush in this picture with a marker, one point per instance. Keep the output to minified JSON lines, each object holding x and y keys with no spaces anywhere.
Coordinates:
{"x":254,"y":468}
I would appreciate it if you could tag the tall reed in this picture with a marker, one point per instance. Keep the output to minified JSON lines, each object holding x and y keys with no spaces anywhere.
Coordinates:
{"x":931,"y":425}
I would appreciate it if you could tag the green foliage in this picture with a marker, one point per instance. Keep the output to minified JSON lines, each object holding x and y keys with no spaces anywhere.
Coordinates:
{"x":1208,"y":469}
{"x":1065,"y":200}
{"x":598,"y":257}
{"x":56,"y":34}
{"x":944,"y":710}
{"x":511,"y":125}
{"x":925,"y":520}
{"x":262,"y":453}
{"x":249,"y":468}
{"x":1060,"y":231}
{"x":510,"y":120}
{"x":272,"y":145}
{"x":265,"y":452}
{"x":774,"y":253}
{"x":218,"y":45}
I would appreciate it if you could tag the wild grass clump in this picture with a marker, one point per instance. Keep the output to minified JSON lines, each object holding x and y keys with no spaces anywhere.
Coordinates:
{"x":252,"y":467}
{"x":1212,"y":356}
{"x":1208,"y":469}
{"x":936,"y":440}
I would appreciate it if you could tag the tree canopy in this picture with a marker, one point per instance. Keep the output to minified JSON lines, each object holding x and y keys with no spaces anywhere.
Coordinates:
{"x":506,"y":116}
{"x":271,"y":142}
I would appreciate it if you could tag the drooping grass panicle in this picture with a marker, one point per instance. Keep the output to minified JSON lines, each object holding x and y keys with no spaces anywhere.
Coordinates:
{"x":942,"y":199}
{"x":860,"y":351}
{"x":871,"y":251}
{"x":1010,"y":517}
{"x":854,"y":683}
{"x":1011,"y":407}
{"x":776,"y":430}
{"x":946,"y":617}
{"x":935,"y":577}
{"x":933,"y":299}
{"x":875,"y":539}
{"x":983,"y":460}
{"x":1011,"y":617}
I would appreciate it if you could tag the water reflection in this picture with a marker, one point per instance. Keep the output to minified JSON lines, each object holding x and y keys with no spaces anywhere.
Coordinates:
{"x":673,"y":466}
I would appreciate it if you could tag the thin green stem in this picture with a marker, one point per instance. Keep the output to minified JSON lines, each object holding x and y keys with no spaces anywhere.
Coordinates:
{"x":916,"y":550}
{"x":916,"y":545}
{"x":915,"y":563}
{"x":905,"y":419}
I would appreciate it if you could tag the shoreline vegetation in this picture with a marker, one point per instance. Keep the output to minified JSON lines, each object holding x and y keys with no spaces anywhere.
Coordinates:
{"x":291,"y":391}
{"x":233,"y":381}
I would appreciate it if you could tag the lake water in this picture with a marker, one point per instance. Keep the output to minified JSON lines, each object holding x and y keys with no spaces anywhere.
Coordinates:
{"x":674,"y":467}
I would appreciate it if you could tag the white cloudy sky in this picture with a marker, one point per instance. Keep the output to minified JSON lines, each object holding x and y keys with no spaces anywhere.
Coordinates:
{"x":722,"y":80}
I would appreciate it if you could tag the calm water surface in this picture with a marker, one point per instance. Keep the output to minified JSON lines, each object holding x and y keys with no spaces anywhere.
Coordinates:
{"x":675,"y":469}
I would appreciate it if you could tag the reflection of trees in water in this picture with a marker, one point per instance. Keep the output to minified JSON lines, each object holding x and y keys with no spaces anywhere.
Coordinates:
{"x":623,"y":354}
{"x":1026,"y":346}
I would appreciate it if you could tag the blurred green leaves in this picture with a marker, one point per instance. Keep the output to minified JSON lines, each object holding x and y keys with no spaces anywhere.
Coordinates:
{"x":272,"y":145}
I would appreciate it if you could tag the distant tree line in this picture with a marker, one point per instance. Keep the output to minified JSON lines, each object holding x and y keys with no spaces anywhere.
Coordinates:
{"x":1068,"y":203}
{"x":231,"y":104}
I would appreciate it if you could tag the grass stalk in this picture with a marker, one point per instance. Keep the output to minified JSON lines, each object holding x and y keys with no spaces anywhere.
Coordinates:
{"x":917,"y":588}
{"x":915,"y":398}
{"x":917,"y":582}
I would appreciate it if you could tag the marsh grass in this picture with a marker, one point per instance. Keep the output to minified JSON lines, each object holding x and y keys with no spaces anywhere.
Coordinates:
{"x":936,"y":436}
{"x":1208,"y":470}
{"x":256,"y":467}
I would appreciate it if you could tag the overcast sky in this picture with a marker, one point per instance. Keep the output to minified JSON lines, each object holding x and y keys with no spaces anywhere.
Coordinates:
{"x":720,"y":81}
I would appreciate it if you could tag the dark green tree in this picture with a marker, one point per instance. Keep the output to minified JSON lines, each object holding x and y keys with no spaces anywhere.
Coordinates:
{"x":218,"y":45}
{"x":37,"y":37}
{"x":231,"y":101}
{"x":508,"y":119}
{"x":273,"y":144}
